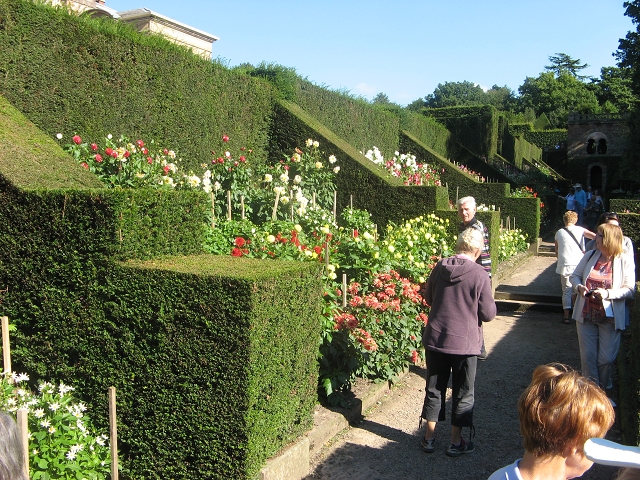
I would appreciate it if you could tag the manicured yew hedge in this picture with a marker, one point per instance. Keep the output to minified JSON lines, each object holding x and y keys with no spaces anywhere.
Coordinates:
{"x":354,"y":120}
{"x":461,"y":184}
{"x":214,"y":358}
{"x":372,"y":188}
{"x":93,"y":77}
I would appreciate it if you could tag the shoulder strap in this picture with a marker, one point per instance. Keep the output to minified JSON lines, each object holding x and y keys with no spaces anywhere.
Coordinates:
{"x":574,"y":238}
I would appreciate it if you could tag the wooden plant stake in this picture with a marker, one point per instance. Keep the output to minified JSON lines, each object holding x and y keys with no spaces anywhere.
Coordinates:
{"x":291,"y":200}
{"x":228,"y":204}
{"x":351,"y":202}
{"x":6,"y":346}
{"x":344,"y":290}
{"x":113,"y":433}
{"x":313,"y":200}
{"x":326,"y":256}
{"x":213,"y":210}
{"x":22,"y":417}
{"x":275,"y":206}
{"x":457,"y":193}
{"x":242,"y":206}
{"x":335,"y":204}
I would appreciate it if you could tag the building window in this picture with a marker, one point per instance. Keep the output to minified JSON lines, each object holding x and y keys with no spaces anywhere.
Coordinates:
{"x":602,"y":146}
{"x":591,"y":146}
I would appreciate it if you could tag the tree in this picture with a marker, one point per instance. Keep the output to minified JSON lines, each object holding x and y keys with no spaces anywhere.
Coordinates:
{"x":502,"y":98}
{"x":557,"y":96}
{"x":455,"y":94}
{"x":381,"y":99}
{"x":563,"y":63}
{"x":628,"y":56}
{"x":614,"y":89}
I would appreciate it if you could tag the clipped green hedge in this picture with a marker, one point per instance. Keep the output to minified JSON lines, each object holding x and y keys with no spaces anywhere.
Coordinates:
{"x":354,"y":120}
{"x":548,"y":138}
{"x":214,"y":358}
{"x":430,"y":132}
{"x":360,"y":182}
{"x":71,"y":74}
{"x":475,"y":127}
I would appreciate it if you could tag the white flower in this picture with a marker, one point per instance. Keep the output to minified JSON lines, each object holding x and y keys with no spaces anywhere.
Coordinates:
{"x":336,"y":169}
{"x":172,"y":154}
{"x":194,"y":180}
{"x":21,"y":392}
{"x":309,"y":142}
{"x":332,"y":275}
{"x":71,"y":455}
{"x":207,"y":174}
{"x":206,"y":181}
{"x":227,"y":154}
{"x":54,"y":406}
{"x":38,"y":413}
{"x":332,"y":159}
{"x":59,"y":136}
{"x":45,"y":423}
{"x":295,"y":158}
{"x":284,"y":200}
{"x":109,"y":136}
{"x":217,"y":186}
{"x":297,"y":227}
{"x":279,"y":190}
{"x":391,"y":248}
{"x":101,"y":440}
{"x":166,"y":181}
{"x":207,"y":188}
{"x":268,"y":177}
{"x":140,"y":175}
{"x":284,"y":178}
{"x":318,"y":165}
{"x":331,"y":268}
{"x":316,"y":144}
{"x":325,"y":229}
{"x":271,"y":238}
{"x":297,"y":179}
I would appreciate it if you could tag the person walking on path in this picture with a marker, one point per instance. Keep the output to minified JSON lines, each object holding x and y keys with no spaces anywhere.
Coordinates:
{"x":570,"y":198}
{"x":559,"y":411}
{"x":459,"y":294}
{"x":467,"y":215}
{"x":570,"y":246}
{"x":581,"y":203}
{"x":603,"y":280}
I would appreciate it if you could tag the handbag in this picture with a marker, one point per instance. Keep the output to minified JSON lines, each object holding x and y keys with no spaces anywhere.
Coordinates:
{"x":574,"y":239}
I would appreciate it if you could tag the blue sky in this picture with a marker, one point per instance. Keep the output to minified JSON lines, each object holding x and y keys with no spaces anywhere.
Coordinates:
{"x":407,"y":47}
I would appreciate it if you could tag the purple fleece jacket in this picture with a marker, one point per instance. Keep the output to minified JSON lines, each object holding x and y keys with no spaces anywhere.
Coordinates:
{"x":459,"y":294}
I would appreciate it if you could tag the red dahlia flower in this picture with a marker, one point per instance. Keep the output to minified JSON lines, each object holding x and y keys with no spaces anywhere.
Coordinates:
{"x":94,"y":147}
{"x":77,"y":140}
{"x":225,"y":138}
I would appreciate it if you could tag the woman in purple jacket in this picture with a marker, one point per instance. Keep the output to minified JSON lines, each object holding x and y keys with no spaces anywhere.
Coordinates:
{"x":459,"y":294}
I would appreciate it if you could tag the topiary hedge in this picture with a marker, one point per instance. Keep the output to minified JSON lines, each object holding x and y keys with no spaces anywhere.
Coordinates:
{"x":93,"y":77}
{"x":214,"y":358}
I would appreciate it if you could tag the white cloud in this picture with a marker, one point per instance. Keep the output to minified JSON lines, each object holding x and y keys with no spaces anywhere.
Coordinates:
{"x":365,"y":89}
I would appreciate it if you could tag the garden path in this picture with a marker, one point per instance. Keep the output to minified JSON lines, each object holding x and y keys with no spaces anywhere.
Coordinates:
{"x":386,"y":443}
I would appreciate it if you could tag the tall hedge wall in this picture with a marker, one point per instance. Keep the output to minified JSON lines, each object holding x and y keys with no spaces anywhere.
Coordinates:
{"x":72,"y":74}
{"x":372,"y":188}
{"x":354,"y":120}
{"x":214,"y":358}
{"x":475,"y":127}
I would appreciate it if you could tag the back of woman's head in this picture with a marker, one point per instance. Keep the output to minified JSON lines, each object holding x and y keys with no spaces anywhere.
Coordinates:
{"x":560,"y":408}
{"x":11,"y":456}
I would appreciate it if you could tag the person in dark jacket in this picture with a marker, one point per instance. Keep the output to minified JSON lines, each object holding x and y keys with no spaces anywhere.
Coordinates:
{"x":459,"y":294}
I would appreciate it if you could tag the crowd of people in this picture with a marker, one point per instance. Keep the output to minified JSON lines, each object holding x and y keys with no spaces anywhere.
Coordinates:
{"x":563,"y":414}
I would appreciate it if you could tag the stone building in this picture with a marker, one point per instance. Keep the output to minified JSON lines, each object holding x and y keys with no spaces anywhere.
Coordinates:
{"x":595,"y":146}
{"x":145,"y":20}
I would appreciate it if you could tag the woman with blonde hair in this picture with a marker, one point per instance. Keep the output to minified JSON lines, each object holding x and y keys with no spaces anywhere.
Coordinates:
{"x":559,"y":411}
{"x":603,"y":281}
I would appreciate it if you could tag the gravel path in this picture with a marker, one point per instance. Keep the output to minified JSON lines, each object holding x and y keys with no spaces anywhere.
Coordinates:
{"x":386,"y":443}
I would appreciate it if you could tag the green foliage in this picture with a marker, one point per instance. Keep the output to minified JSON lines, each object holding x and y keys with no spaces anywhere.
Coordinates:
{"x":284,"y":79}
{"x":541,"y":122}
{"x":561,"y":63}
{"x":76,"y":74}
{"x":615,"y":88}
{"x":512,"y":242}
{"x":556,"y":96}
{"x":62,"y":441}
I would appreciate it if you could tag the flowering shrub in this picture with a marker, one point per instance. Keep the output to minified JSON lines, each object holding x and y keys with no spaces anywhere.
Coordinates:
{"x":512,"y":242}
{"x":473,"y":173}
{"x":62,"y":443}
{"x":123,"y":163}
{"x":407,"y":168}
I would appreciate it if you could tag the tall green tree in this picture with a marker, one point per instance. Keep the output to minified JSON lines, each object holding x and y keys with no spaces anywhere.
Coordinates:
{"x":628,"y":56}
{"x":455,"y":94}
{"x":563,"y":63}
{"x":556,"y":96}
{"x":614,"y":89}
